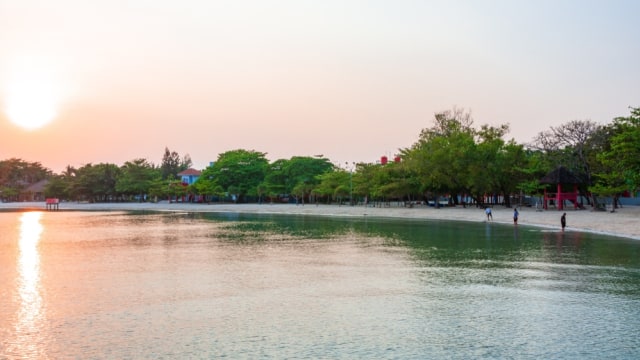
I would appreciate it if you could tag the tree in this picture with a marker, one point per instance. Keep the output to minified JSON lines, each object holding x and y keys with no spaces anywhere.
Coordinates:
{"x":17,"y":174}
{"x":136,"y":178}
{"x":304,"y":169}
{"x":60,"y":186}
{"x":573,"y":145}
{"x":625,"y":147}
{"x":172,"y":164}
{"x":96,"y":183}
{"x":395,"y":181}
{"x":298,"y":175}
{"x":275,"y":180}
{"x":158,"y":189}
{"x":453,"y":157}
{"x":497,"y":167}
{"x":333,"y":185}
{"x":442,"y":155}
{"x":175,"y":189}
{"x":56,"y":188}
{"x":534,"y":167}
{"x":238,"y":172}
{"x":619,"y":160}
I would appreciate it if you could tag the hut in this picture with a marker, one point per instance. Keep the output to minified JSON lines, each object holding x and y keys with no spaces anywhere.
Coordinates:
{"x":566,"y":186}
{"x":33,"y":192}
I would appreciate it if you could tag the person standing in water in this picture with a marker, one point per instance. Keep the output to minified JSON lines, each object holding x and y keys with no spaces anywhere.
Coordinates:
{"x":488,"y":212}
{"x":563,"y":221}
{"x":515,"y":216}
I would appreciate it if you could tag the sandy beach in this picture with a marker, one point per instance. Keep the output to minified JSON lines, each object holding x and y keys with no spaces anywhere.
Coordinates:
{"x":623,"y":222}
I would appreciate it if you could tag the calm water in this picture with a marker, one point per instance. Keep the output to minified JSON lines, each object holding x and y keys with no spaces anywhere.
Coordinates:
{"x":175,"y":286}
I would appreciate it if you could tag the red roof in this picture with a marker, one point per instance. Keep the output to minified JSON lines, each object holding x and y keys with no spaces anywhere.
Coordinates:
{"x":190,"y":171}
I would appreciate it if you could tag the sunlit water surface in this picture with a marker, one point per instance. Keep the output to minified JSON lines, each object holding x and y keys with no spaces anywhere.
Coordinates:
{"x":120,"y":285}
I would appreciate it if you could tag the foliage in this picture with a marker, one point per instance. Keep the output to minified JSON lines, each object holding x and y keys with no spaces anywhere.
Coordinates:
{"x":573,"y":145}
{"x":275,"y":181}
{"x":56,"y":188}
{"x":96,"y":183}
{"x":451,"y":157}
{"x":297,"y":176}
{"x":136,"y":178}
{"x":172,"y":164}
{"x":333,"y":185}
{"x":534,"y":168}
{"x":238,"y":172}
{"x":620,"y":160}
{"x":17,"y":174}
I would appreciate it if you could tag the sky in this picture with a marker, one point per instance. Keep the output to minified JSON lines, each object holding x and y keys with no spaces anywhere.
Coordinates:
{"x":85,"y":81}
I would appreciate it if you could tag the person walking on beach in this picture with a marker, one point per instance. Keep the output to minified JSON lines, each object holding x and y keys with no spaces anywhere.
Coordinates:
{"x":488,"y":212}
{"x":563,"y":221}
{"x":515,"y":216}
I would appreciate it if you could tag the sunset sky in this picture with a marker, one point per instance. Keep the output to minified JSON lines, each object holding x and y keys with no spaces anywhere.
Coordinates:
{"x":351,"y":80}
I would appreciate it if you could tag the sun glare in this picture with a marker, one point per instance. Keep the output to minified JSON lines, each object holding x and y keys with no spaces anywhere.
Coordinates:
{"x":31,"y":108}
{"x":32,"y":97}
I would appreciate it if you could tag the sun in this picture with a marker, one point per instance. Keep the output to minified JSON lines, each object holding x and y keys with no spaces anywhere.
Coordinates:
{"x":31,"y":106}
{"x":31,"y":103}
{"x":31,"y":97}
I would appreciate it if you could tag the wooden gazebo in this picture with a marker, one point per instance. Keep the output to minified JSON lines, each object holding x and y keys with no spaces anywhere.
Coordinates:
{"x":566,"y":188}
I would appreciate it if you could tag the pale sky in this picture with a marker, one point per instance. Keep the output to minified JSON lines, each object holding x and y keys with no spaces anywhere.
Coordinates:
{"x":351,"y":80}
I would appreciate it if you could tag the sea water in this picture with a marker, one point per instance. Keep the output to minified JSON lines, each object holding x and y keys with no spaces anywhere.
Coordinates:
{"x":143,"y":285}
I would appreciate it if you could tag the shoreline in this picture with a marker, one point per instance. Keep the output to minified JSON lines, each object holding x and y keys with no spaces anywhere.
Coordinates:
{"x":624,"y":222}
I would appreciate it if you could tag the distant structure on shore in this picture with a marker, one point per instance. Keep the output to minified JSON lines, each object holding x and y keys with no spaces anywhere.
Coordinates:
{"x":384,"y":159}
{"x":189,"y":176}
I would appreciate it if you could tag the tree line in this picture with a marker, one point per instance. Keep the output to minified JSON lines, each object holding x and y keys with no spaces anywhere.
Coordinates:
{"x":451,"y":157}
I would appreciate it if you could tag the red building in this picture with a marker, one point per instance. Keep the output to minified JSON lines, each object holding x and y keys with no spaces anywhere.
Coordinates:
{"x":563,"y":186}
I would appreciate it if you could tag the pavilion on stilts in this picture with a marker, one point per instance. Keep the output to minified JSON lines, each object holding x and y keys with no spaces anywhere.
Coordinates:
{"x":566,"y":186}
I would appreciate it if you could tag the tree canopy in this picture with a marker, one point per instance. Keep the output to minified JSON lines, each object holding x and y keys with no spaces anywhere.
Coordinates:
{"x":452,"y":157}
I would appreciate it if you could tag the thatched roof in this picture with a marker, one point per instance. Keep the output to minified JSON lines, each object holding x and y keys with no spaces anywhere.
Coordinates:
{"x":37,"y":187}
{"x":560,"y":175}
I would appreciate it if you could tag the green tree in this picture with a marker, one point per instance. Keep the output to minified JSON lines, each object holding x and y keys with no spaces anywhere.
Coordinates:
{"x":172,"y":164}
{"x":333,"y":185}
{"x":535,"y":167}
{"x":158,"y":189}
{"x":453,"y":157}
{"x":96,"y":183}
{"x":238,"y":172}
{"x":620,"y":159}
{"x":136,"y":178}
{"x":395,"y":181}
{"x":442,"y":156}
{"x":625,"y":146}
{"x":496,"y":169}
{"x":57,"y":188}
{"x":175,"y":189}
{"x":275,"y":180}
{"x":299,"y":173}
{"x":17,"y":174}
{"x":363,"y":180}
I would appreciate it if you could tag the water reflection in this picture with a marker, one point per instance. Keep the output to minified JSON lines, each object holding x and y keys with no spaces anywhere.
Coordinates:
{"x":305,"y":287}
{"x":30,"y":313}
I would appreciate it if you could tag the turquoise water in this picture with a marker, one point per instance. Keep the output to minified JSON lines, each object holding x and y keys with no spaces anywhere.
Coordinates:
{"x":118,"y":285}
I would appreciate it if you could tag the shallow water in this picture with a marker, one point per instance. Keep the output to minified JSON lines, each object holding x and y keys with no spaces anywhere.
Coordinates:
{"x":166,"y":285}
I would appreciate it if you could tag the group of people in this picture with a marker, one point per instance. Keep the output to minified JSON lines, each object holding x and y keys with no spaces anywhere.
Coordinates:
{"x":563,"y":218}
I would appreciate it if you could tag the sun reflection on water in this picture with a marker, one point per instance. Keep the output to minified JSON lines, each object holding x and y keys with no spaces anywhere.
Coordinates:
{"x":30,"y":315}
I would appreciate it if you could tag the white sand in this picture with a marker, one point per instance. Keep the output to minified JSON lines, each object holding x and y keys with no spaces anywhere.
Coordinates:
{"x":623,"y":222}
